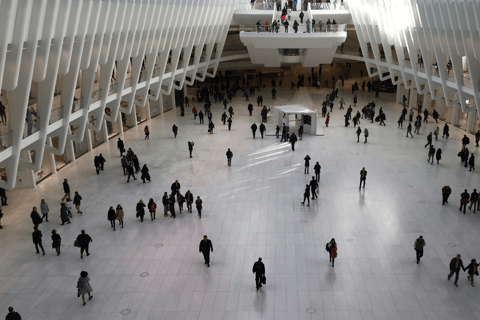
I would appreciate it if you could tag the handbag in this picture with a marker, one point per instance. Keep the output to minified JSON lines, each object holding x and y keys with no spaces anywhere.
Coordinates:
{"x":264,"y":279}
{"x":76,"y":244}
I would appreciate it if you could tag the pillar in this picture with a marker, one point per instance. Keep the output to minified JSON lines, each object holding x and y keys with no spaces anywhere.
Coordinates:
{"x":456,"y":109}
{"x":400,"y":93}
{"x":132,"y":117}
{"x":147,"y":109}
{"x":441,"y":108}
{"x":472,"y":122}
{"x":105,"y":130}
{"x":69,"y":151}
{"x":172,"y":99}
{"x":117,"y":126}
{"x":412,"y":101}
{"x":88,"y":138}
{"x":51,"y":157}
{"x":25,"y":176}
{"x":427,"y":102}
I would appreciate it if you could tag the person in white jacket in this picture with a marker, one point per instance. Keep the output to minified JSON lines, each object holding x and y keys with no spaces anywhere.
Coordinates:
{"x":44,"y":209}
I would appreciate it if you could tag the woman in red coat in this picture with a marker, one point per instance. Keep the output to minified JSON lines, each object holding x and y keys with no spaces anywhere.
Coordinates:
{"x":328,"y":119}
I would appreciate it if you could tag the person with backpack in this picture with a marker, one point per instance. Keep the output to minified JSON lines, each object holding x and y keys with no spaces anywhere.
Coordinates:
{"x":152,"y":208}
{"x":83,"y":286}
{"x":259,"y":271}
{"x":418,"y":246}
{"x":331,"y":247}
{"x":112,"y":215}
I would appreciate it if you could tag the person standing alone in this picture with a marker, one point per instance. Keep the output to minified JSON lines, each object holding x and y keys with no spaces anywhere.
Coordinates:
{"x":229,"y":157}
{"x":363,"y":177}
{"x":12,"y":315}
{"x":205,"y":247}
{"x":190,"y":147}
{"x":259,"y":270}
{"x":307,"y":164}
{"x":418,"y":245}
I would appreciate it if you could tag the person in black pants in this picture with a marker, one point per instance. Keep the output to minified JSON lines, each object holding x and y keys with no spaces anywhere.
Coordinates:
{"x":418,"y":245}
{"x":455,"y":265}
{"x":12,"y":315}
{"x":3,"y":196}
{"x":83,"y":240}
{"x":313,"y":188}
{"x":317,"y":168}
{"x":37,"y":239}
{"x":198,"y":204}
{"x":464,"y":200}
{"x":205,"y":247}
{"x":130,"y":173}
{"x":259,"y":270}
{"x":306,"y":195}
{"x":363,"y":177}
{"x":307,"y":164}
{"x":121,"y":146}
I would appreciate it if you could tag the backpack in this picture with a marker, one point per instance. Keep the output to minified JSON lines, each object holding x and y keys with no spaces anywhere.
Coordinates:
{"x":152,"y":206}
{"x":79,"y":284}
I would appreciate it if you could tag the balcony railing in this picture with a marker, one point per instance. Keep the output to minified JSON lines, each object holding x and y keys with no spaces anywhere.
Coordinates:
{"x":302,"y":28}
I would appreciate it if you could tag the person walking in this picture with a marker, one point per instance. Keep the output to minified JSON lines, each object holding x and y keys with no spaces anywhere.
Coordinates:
{"x":175,"y":130}
{"x":446,"y":191}
{"x":293,"y":140}
{"x":121,"y":146}
{"x":84,"y":287}
{"x":190,"y":147}
{"x":262,"y":129}
{"x":358,"y":132}
{"x":250,"y":108}
{"x":472,"y":270}
{"x":147,"y":133}
{"x":56,"y":241}
{"x":140,"y":210}
{"x":152,"y":208}
{"x":102,"y":161}
{"x":12,"y":315}
{"x":66,"y":190}
{"x":181,"y":201}
{"x":130,"y":172}
{"x":327,"y":120}
{"x":471,"y":162}
{"x":145,"y":175}
{"x":455,"y":265}
{"x":431,"y":154}
{"x":83,"y":242}
{"x":37,"y":239}
{"x":365,"y":133}
{"x":165,"y":204}
{"x":363,"y":177}
{"x":254,"y":129}
{"x":331,"y":247}
{"x":429,"y":140}
{"x":409,"y":130}
{"x":96,"y":163}
{"x":313,"y":188}
{"x":436,"y":133}
{"x":307,"y":164}
{"x":465,"y":198}
{"x":171,"y":205}
{"x":189,"y":200}
{"x":64,"y":213}
{"x":35,"y":216}
{"x":194,"y":111}
{"x":317,"y":167}
{"x":465,"y":140}
{"x":229,"y":157}
{"x":211,"y":126}
{"x":200,"y":117}
{"x":446,"y":131}
{"x":229,"y":121}
{"x":205,"y":247}
{"x":44,"y":210}
{"x":3,"y":197}
{"x":438,"y":155}
{"x":306,"y":195}
{"x":111,"y":216}
{"x":77,"y":199}
{"x":473,"y":200}
{"x":119,"y":215}
{"x":124,"y":163}
{"x":418,"y":246}
{"x":198,"y":204}
{"x":259,"y":271}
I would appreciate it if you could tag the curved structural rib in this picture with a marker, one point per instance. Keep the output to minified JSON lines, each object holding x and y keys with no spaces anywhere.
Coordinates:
{"x":43,"y":39}
{"x":439,"y":31}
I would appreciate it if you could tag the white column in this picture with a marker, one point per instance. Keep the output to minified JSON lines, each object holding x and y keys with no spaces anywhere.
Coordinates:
{"x":25,"y":176}
{"x":400,"y":93}
{"x":472,"y":121}
{"x":69,"y":151}
{"x":133,"y":116}
{"x":456,"y":109}
{"x":172,"y":99}
{"x":88,"y":137}
{"x":147,"y":109}
{"x":105,"y":130}
{"x":51,"y":157}
{"x":427,"y":102}
{"x":160,"y":100}
{"x":440,"y":104}
{"x":413,"y":99}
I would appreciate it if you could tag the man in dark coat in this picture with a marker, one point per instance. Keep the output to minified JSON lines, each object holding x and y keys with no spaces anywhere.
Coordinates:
{"x":189,"y":200}
{"x":124,"y":165}
{"x":455,"y":265}
{"x":446,"y":191}
{"x":293,"y":140}
{"x":130,"y":173}
{"x":77,"y":199}
{"x":317,"y":167}
{"x":254,"y":129}
{"x":175,"y":130}
{"x":175,"y":187}
{"x":262,"y":129}
{"x":145,"y":174}
{"x":363,"y":177}
{"x":250,"y":109}
{"x":313,"y":188}
{"x":96,"y":162}
{"x":66,"y":190}
{"x":190,"y":147}
{"x":307,"y":164}
{"x":12,"y":315}
{"x":306,"y":195}
{"x":418,"y":246}
{"x":205,"y":247}
{"x":37,"y":239}
{"x":36,"y":219}
{"x":171,"y":205}
{"x":259,"y":270}
{"x":465,"y":198}
{"x":83,"y":240}
{"x":102,"y":161}
{"x":198,"y":204}
{"x":120,"y":146}
{"x":3,"y":196}
{"x":229,"y":157}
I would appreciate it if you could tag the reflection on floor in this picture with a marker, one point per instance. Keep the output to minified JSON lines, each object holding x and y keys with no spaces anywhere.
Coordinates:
{"x":252,"y":209}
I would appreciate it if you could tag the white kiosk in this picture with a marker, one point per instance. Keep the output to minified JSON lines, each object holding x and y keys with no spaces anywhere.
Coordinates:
{"x":307,"y":117}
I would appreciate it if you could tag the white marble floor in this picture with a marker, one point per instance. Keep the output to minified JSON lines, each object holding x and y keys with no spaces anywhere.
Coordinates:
{"x":253,"y":209}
